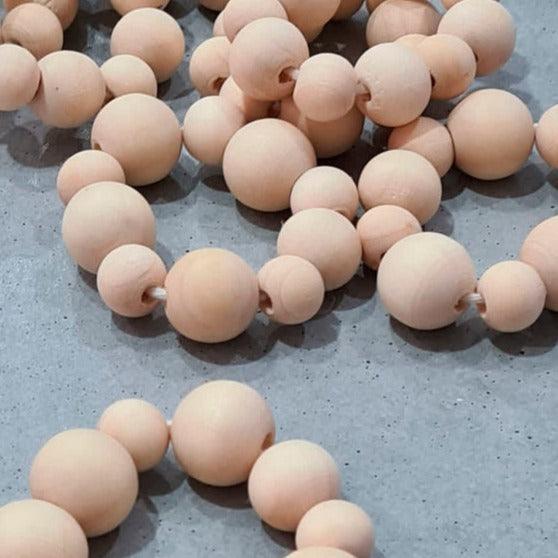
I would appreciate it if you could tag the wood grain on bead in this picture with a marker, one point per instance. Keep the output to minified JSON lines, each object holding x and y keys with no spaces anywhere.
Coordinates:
{"x":319,"y":552}
{"x":124,"y":74}
{"x":19,"y":76}
{"x":64,"y":10}
{"x":239,"y":13}
{"x":209,"y":65}
{"x":347,"y":9}
{"x":547,"y":137}
{"x":310,"y":15}
{"x":125,"y":6}
{"x":252,"y":109}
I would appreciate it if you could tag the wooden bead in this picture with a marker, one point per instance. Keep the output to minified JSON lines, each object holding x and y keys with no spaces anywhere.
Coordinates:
{"x":289,"y":479}
{"x":125,"y":6}
{"x":219,"y":430}
{"x":152,"y":35}
{"x":19,"y":75}
{"x":428,"y":138}
{"x":406,"y":84}
{"x":326,"y":239}
{"x":124,"y":277}
{"x":261,"y":54}
{"x":209,"y":65}
{"x":423,"y":278}
{"x":252,"y":109}
{"x":142,"y":133}
{"x":487,"y":27}
{"x":411,"y":40}
{"x":540,"y":250}
{"x":402,"y":178}
{"x":239,"y":13}
{"x":547,"y":137}
{"x":88,"y":474}
{"x":140,"y":427}
{"x":125,"y":216}
{"x":513,"y":296}
{"x":291,"y":290}
{"x":64,"y":10}
{"x":212,"y":295}
{"x":219,"y":27}
{"x":319,"y":552}
{"x":380,"y":228}
{"x":347,"y":9}
{"x":262,"y":162}
{"x":310,"y":15}
{"x":126,"y":74}
{"x":493,"y":134}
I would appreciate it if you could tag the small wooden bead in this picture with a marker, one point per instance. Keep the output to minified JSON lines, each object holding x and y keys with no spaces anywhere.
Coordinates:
{"x":373,"y":4}
{"x":219,"y":27}
{"x":262,"y":162}
{"x":513,"y":296}
{"x":219,"y":430}
{"x":291,"y":290}
{"x":124,"y":277}
{"x":402,"y":178}
{"x":423,"y":278}
{"x":493,"y":134}
{"x":216,"y":5}
{"x":347,"y":9}
{"x":125,"y":6}
{"x":380,"y":228}
{"x":19,"y":76}
{"x":289,"y":479}
{"x":64,"y":10}
{"x":212,"y":295}
{"x":252,"y":109}
{"x":547,"y":137}
{"x":239,"y":13}
{"x":326,"y":239}
{"x":411,"y":40}
{"x":209,"y":65}
{"x":125,"y":74}
{"x":319,"y":552}
{"x":261,"y":54}
{"x":140,"y":427}
{"x":310,"y":15}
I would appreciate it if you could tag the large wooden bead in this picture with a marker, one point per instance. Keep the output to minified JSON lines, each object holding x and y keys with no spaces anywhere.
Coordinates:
{"x":289,"y":479}
{"x":239,"y":13}
{"x":291,"y":290}
{"x":124,"y":277}
{"x":252,"y":109}
{"x":125,"y":6}
{"x":88,"y":474}
{"x":347,"y":9}
{"x":64,"y":10}
{"x":212,"y":295}
{"x":209,"y":65}
{"x":103,"y":216}
{"x":493,"y":134}
{"x":405,"y":84}
{"x":262,"y":162}
{"x":219,"y":430}
{"x":547,"y":137}
{"x":326,"y":239}
{"x":19,"y":76}
{"x":513,"y":296}
{"x":126,"y":74}
{"x":487,"y":27}
{"x":261,"y":54}
{"x":142,"y":133}
{"x":540,"y":250}
{"x":310,"y":15}
{"x":320,"y":552}
{"x":423,"y":278}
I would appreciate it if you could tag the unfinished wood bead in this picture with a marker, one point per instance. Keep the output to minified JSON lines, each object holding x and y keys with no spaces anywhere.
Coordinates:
{"x":347,"y":9}
{"x":219,"y":27}
{"x":311,"y":15}
{"x":124,"y":74}
{"x":547,"y":137}
{"x":319,"y":552}
{"x":209,"y":65}
{"x":125,"y":6}
{"x":19,"y":76}
{"x":64,"y":10}
{"x":239,"y":13}
{"x":252,"y":109}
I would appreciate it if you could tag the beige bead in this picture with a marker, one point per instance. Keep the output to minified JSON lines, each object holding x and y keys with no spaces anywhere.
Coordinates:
{"x":209,"y":125}
{"x":142,"y":133}
{"x":88,"y":474}
{"x":493,"y":134}
{"x":291,"y":290}
{"x":513,"y":296}
{"x":326,"y":239}
{"x":65,"y":10}
{"x":212,"y":295}
{"x":337,"y":524}
{"x":261,"y":54}
{"x":239,"y":13}
{"x":152,"y":35}
{"x":428,"y":138}
{"x":423,"y":279}
{"x":126,"y":74}
{"x":124,"y":277}
{"x":36,"y":529}
{"x":347,"y":9}
{"x":411,"y":40}
{"x":216,"y":5}
{"x":380,"y":228}
{"x":547,"y":137}
{"x":103,"y":216}
{"x":125,"y":6}
{"x":252,"y":109}
{"x":310,"y":15}
{"x":219,"y":430}
{"x":487,"y":27}
{"x":405,"y":84}
{"x":289,"y":479}
{"x":319,"y":552}
{"x":140,"y":427}
{"x":209,"y":65}
{"x":262,"y":162}
{"x":19,"y":76}
{"x":540,"y":250}
{"x":402,"y":178}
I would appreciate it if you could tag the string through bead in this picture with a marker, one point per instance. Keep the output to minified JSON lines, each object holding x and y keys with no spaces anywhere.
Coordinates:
{"x":157,"y":293}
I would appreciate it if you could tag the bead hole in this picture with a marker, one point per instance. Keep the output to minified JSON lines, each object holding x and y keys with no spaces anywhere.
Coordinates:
{"x":268,"y":441}
{"x":433,"y":80}
{"x":481,"y":307}
{"x":286,"y":76}
{"x":217,"y":83}
{"x":266,"y":304}
{"x":96,"y":146}
{"x":462,"y":305}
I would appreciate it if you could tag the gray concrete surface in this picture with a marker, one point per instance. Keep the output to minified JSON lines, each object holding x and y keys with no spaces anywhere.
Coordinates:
{"x":448,"y":439}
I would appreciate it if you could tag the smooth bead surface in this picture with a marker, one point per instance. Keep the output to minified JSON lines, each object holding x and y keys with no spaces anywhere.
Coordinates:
{"x":411,"y":40}
{"x":64,"y":10}
{"x":125,"y":6}
{"x":547,"y":137}
{"x":19,"y":76}
{"x":209,"y":65}
{"x":252,"y":109}
{"x":126,"y":74}
{"x":319,"y":552}
{"x":310,"y":15}
{"x":239,"y":13}
{"x":346,"y":9}
{"x":219,"y":27}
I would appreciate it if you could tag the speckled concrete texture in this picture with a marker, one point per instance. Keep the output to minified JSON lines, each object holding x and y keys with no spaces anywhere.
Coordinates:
{"x":448,"y":439}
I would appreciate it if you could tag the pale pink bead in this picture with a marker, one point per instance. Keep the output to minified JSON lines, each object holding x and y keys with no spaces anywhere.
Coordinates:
{"x":547,"y":136}
{"x":238,"y":13}
{"x":20,"y":77}
{"x":252,"y":109}
{"x":125,"y":74}
{"x":125,"y":6}
{"x":64,"y":10}
{"x":311,"y":15}
{"x":209,"y":65}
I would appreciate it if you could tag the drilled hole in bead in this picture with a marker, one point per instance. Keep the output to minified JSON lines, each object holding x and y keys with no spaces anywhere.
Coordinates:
{"x":217,"y":83}
{"x":266,"y":304}
{"x":461,"y":305}
{"x":145,"y":298}
{"x":286,"y":76}
{"x":268,"y":441}
{"x":481,"y":307}
{"x":433,"y":80}
{"x":96,"y":146}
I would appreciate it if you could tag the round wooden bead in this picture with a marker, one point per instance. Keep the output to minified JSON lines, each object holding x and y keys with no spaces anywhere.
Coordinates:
{"x":125,"y":74}
{"x":319,"y":552}
{"x":326,"y":239}
{"x":513,"y":296}
{"x":125,"y":6}
{"x":64,"y":10}
{"x":347,"y":9}
{"x":252,"y":109}
{"x":291,"y":290}
{"x":262,"y":162}
{"x":262,"y":52}
{"x":125,"y":216}
{"x":140,"y":427}
{"x":124,"y":277}
{"x":209,"y":65}
{"x":152,"y":35}
{"x":487,"y":27}
{"x":493,"y":134}
{"x":212,"y":295}
{"x":289,"y":479}
{"x":423,"y":278}
{"x":406,"y":84}
{"x":219,"y":430}
{"x":142,"y":133}
{"x":219,"y":27}
{"x":239,"y":13}
{"x":311,"y":15}
{"x":402,"y":178}
{"x":380,"y":228}
{"x":88,"y":474}
{"x":547,"y":137}
{"x":411,"y":40}
{"x":19,"y":75}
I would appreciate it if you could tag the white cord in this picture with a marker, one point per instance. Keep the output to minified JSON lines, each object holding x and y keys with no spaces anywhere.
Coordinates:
{"x":157,"y":293}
